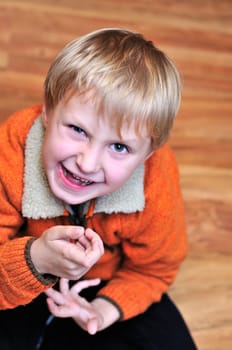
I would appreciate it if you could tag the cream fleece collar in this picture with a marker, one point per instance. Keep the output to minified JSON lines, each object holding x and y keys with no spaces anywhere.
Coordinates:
{"x":39,"y":202}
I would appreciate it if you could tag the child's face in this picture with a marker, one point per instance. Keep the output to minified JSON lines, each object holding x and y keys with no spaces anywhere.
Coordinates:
{"x":84,"y":157}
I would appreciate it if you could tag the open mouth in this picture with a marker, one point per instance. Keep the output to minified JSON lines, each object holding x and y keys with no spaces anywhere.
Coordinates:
{"x":76,"y":179}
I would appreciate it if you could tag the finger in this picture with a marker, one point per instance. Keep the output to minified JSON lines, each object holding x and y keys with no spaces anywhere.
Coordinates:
{"x":82,"y":315}
{"x":48,"y":292}
{"x":66,"y":232}
{"x":57,"y":310}
{"x":56,"y":296}
{"x":95,"y":240}
{"x":79,"y":286}
{"x":84,"y":242}
{"x":94,"y":254}
{"x":89,"y":233}
{"x":98,"y":245}
{"x":79,"y":245}
{"x":92,"y":326}
{"x":64,"y":286}
{"x":73,"y":253}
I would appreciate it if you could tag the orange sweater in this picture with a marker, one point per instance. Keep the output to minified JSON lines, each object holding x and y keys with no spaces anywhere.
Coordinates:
{"x":142,"y":224}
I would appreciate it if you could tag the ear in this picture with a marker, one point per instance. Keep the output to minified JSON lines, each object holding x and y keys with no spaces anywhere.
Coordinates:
{"x":149,"y":154}
{"x":44,"y":116}
{"x":150,"y":151}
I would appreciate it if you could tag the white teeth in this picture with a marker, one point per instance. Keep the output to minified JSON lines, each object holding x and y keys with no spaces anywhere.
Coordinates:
{"x":86,"y":182}
{"x":83,"y":181}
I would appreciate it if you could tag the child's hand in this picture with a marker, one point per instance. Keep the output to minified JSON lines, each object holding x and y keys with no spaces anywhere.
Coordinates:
{"x":91,"y":317}
{"x":66,"y":251}
{"x":68,"y":303}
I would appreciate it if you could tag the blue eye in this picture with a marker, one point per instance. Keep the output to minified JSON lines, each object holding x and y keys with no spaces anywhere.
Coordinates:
{"x":120,"y":148}
{"x":77,"y":129}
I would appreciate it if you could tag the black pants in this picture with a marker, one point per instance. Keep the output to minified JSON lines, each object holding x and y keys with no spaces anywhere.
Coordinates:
{"x":161,"y":327}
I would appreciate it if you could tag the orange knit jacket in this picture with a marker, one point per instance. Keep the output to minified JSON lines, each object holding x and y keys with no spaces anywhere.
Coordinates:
{"x":142,"y":224}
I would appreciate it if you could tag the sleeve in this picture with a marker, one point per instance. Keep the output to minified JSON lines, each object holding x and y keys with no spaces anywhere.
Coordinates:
{"x":153,"y":243}
{"x":18,"y":284}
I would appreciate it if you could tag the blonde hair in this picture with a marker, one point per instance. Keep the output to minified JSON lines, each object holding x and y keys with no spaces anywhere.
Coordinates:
{"x":132,"y":80}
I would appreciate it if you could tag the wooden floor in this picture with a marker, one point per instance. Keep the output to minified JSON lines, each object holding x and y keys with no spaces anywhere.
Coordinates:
{"x":197,"y":34}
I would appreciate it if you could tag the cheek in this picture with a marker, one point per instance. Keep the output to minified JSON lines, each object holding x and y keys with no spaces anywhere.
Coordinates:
{"x":117,"y":175}
{"x":52,"y":148}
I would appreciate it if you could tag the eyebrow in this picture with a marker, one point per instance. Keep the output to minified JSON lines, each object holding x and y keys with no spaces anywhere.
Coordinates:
{"x":118,"y":139}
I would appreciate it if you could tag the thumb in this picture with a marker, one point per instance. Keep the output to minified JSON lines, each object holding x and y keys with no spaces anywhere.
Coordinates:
{"x":65,"y":233}
{"x":92,"y":326}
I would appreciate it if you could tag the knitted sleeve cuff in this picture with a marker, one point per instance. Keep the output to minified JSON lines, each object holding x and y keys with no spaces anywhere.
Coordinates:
{"x":45,"y":279}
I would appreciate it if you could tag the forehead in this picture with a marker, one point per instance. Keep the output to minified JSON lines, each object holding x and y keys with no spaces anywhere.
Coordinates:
{"x":130,"y":131}
{"x":125,"y":124}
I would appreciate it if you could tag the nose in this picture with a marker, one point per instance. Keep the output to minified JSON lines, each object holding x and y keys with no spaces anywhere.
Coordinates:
{"x":89,"y":159}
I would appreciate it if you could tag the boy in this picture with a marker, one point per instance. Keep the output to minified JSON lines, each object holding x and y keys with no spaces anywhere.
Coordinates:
{"x":95,"y":156}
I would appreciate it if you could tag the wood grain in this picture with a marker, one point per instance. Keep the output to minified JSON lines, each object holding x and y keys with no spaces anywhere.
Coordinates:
{"x":198,"y":36}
